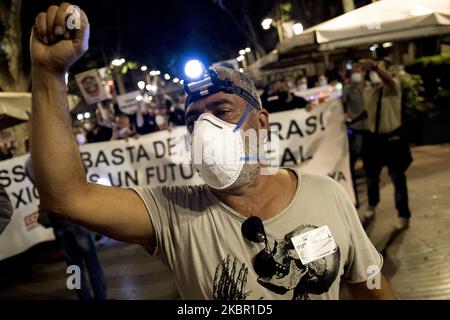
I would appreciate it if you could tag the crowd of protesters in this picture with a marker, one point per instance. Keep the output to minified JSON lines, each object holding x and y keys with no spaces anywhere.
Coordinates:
{"x":109,"y":123}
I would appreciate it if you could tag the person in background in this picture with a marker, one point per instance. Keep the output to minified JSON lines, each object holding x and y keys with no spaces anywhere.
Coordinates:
{"x":279,"y":98}
{"x":301,"y":84}
{"x":8,"y":145}
{"x":6,"y":209}
{"x":176,"y":113}
{"x":122,"y":128}
{"x":385,"y":143}
{"x":145,"y":119}
{"x":77,"y":244}
{"x":102,"y":130}
{"x":80,"y":134}
{"x":322,"y":81}
{"x":352,"y":98}
{"x":162,"y":118}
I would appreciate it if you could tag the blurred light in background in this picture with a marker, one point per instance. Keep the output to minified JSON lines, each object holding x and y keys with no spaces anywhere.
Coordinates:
{"x":298,"y":28}
{"x":144,"y":68}
{"x":141,"y":85}
{"x":118,"y":62}
{"x":266,"y":23}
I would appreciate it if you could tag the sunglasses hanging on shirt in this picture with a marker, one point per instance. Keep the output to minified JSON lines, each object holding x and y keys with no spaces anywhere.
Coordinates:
{"x":264,"y":262}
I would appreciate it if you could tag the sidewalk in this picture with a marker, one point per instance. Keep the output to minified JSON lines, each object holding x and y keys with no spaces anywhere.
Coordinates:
{"x":417,"y":262}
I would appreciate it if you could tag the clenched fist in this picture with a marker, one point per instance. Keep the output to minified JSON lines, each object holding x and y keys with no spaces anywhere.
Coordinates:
{"x":59,"y":38}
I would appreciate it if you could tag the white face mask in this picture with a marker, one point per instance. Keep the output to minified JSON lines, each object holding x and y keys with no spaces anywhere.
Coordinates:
{"x":160,"y":120}
{"x":375,"y":78}
{"x":217,"y":151}
{"x":357,"y":77}
{"x":81,"y":139}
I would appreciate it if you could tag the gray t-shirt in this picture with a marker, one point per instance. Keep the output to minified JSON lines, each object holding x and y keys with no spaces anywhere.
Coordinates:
{"x":200,"y":240}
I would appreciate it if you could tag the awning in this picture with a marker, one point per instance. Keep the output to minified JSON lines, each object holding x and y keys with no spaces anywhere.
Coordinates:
{"x":15,"y":107}
{"x":381,"y":21}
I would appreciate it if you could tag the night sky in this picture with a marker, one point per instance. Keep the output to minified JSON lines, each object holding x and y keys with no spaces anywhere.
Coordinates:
{"x":161,"y":34}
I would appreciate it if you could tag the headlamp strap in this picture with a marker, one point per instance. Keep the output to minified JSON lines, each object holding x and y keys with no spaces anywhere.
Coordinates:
{"x":243,"y":118}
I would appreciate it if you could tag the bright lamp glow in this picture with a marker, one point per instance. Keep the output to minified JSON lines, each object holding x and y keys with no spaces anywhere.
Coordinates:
{"x":298,"y":28}
{"x":144,"y":68}
{"x":167,"y":76}
{"x":118,"y":62}
{"x":139,"y":98}
{"x":141,"y":85}
{"x":194,"y":69}
{"x":87,"y":115}
{"x":266,"y":23}
{"x":387,"y":44}
{"x":181,"y":81}
{"x":151,"y":87}
{"x":242,"y":52}
{"x":241,"y":70}
{"x":240,"y":58}
{"x":176,"y":80}
{"x":248,"y":49}
{"x":80,"y":116}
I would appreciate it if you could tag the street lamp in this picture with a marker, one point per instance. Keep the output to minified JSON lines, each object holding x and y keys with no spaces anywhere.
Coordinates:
{"x":144,"y":68}
{"x":141,"y":85}
{"x":118,"y":62}
{"x":266,"y":23}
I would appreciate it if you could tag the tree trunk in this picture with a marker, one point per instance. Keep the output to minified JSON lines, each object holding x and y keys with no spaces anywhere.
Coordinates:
{"x":12,"y":75}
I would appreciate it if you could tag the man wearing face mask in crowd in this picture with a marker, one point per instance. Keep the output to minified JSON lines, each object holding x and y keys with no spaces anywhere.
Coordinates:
{"x":352,"y":98}
{"x":385,"y":143}
{"x":231,"y":238}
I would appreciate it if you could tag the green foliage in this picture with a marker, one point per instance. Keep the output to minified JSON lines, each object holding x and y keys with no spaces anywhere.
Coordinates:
{"x":439,"y":59}
{"x":285,"y":11}
{"x":434,"y":71}
{"x":412,"y":94}
{"x":130,"y":65}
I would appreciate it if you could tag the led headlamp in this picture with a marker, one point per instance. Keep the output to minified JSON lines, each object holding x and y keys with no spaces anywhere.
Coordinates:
{"x":210,"y":84}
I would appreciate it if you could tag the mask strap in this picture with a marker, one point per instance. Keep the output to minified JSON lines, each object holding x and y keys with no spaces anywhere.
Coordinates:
{"x":244,"y":117}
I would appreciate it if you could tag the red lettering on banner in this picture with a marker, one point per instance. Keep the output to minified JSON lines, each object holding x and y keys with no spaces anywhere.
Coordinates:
{"x":31,"y":220}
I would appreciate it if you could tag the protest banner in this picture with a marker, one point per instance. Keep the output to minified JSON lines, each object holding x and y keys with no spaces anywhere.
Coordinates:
{"x":314,"y":141}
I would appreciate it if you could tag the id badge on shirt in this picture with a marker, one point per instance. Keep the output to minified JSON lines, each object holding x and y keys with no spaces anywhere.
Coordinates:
{"x":314,"y":244}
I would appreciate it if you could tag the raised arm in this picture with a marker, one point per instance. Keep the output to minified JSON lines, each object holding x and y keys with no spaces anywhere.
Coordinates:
{"x":59,"y":174}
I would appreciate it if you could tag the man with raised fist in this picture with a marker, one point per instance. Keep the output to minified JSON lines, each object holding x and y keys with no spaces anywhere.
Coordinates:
{"x":242,"y":234}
